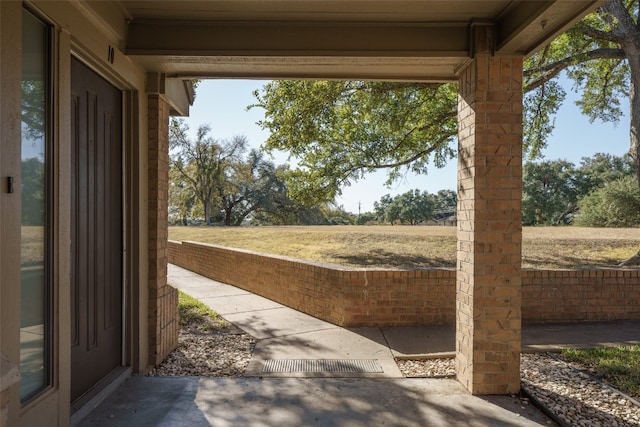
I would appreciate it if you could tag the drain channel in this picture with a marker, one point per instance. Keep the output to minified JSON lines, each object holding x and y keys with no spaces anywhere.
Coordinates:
{"x":363,"y":366}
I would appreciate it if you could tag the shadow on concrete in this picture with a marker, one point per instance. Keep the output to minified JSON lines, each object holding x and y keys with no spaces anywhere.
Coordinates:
{"x":418,"y":341}
{"x":336,"y":402}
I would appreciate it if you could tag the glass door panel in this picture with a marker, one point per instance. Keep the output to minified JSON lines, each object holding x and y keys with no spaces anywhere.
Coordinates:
{"x":34,"y":250}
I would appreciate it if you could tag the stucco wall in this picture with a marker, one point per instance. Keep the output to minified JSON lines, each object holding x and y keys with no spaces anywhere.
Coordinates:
{"x":365,"y":297}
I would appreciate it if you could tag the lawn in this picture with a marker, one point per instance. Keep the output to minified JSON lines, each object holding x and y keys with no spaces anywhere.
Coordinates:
{"x":618,"y":366}
{"x":418,"y":246}
{"x":196,"y":314}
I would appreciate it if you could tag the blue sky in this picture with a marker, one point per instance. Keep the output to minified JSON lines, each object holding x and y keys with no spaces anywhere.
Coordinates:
{"x":223,"y":105}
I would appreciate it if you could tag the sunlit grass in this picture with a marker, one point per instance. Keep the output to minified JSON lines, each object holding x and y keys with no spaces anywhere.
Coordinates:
{"x":418,"y":246}
{"x":194,"y":313}
{"x":617,"y":366}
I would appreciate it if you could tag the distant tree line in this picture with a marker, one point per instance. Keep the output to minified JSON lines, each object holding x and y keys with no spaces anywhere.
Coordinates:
{"x":600,"y":192}
{"x":415,"y":207}
{"x":222,"y":182}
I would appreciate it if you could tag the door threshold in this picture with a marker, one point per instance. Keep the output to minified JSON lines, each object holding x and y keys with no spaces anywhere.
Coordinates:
{"x":94,"y":397}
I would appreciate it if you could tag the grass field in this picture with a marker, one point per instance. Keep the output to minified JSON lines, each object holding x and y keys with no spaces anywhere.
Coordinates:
{"x":418,"y":246}
{"x":618,"y":366}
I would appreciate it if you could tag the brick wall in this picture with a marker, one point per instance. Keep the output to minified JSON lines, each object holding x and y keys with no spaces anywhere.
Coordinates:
{"x":364,"y":297}
{"x":163,"y":299}
{"x":580,"y":295}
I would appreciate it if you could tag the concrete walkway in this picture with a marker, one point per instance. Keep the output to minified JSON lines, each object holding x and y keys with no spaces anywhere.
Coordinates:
{"x":285,"y":333}
{"x":379,"y":397}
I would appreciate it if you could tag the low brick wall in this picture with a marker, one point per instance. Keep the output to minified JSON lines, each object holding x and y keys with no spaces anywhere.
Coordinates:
{"x":580,"y":295}
{"x":368,"y":297}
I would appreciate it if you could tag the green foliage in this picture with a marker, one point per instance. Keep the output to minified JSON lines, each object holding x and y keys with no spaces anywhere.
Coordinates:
{"x":601,"y":168}
{"x":182,"y":199}
{"x":600,"y":54}
{"x":201,"y":164}
{"x":340,"y":130}
{"x":553,"y":191}
{"x":366,"y":218}
{"x":249,"y":185}
{"x":415,"y":207}
{"x":617,"y":204}
{"x":214,"y":180}
{"x":33,"y":203}
{"x":539,"y":108}
{"x":550,"y":192}
{"x":445,"y":204}
{"x":618,"y":366}
{"x":33,"y":108}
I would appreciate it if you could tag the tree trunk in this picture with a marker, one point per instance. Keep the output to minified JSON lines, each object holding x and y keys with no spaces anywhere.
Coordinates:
{"x":207,"y":216}
{"x":631,"y":46}
{"x":634,"y":112}
{"x":227,"y":216}
{"x":630,"y":43}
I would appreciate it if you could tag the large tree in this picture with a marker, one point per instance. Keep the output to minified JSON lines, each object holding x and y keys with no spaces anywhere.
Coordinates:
{"x":182,"y":200}
{"x":601,"y":55}
{"x":550,"y":192}
{"x":201,"y":163}
{"x":214,"y":179}
{"x":415,"y":207}
{"x":339,"y":131}
{"x":249,"y":185}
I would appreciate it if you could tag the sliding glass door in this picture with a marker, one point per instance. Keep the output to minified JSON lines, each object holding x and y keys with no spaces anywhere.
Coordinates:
{"x":35,"y":328}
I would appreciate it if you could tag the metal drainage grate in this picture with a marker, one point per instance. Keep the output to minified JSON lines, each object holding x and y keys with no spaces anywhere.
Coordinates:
{"x":363,"y":366}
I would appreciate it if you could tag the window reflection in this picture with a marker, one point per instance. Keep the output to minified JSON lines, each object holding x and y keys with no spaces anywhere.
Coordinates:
{"x":34,"y":335}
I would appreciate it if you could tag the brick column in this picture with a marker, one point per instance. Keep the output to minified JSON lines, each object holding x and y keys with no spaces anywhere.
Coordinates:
{"x":163,"y":299}
{"x":488,"y":296}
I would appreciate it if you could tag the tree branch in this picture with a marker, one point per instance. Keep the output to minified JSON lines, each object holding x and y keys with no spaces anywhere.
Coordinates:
{"x":550,"y":71}
{"x":611,"y":36}
{"x":401,"y":162}
{"x":436,"y":121}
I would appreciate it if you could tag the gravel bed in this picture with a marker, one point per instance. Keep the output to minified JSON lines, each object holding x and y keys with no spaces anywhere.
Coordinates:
{"x":574,"y":396}
{"x":570,"y":393}
{"x":565,"y":389}
{"x":216,"y":351}
{"x":427,"y":368}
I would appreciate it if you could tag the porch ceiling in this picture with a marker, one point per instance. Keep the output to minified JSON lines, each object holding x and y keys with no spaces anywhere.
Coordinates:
{"x":403,"y":39}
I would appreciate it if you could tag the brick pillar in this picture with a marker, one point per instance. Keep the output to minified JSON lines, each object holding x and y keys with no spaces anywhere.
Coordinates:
{"x":163,"y":300}
{"x":488,"y":297}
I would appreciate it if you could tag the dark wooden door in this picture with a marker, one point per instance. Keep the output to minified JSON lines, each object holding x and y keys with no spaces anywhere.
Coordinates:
{"x":96,"y":229}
